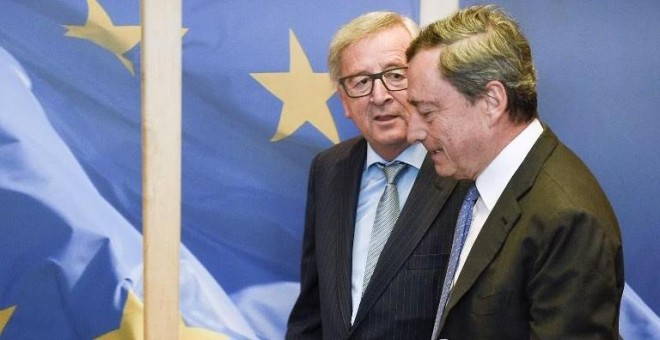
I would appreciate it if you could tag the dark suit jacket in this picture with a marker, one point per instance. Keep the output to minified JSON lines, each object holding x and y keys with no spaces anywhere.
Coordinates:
{"x":402,"y":298}
{"x":548,"y":262}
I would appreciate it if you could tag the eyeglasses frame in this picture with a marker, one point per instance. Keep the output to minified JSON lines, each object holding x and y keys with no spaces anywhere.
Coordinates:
{"x":373,"y":77}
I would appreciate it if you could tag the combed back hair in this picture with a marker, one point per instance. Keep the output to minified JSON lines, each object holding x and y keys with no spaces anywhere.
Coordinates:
{"x":359,"y":28}
{"x":482,"y":44}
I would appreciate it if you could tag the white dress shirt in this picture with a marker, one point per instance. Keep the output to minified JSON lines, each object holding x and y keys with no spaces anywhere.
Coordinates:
{"x":372,"y":186}
{"x":492,"y":181}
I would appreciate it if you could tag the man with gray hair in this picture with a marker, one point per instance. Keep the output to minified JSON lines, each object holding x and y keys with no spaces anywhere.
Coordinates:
{"x":379,"y":221}
{"x":537,"y":250}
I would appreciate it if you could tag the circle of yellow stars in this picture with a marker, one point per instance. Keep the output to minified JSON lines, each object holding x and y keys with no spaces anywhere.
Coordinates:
{"x":303,"y":92}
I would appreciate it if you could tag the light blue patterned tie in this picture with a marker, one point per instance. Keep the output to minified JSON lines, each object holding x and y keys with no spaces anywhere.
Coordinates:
{"x":387,"y":213}
{"x":460,"y":234}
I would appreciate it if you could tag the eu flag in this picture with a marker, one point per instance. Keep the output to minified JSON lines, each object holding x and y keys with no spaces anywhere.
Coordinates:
{"x":257,"y":105}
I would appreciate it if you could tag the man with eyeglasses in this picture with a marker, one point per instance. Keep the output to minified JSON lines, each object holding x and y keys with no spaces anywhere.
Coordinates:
{"x":379,"y":220}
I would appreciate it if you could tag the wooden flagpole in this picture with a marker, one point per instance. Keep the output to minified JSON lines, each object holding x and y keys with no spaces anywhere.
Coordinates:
{"x":161,"y":165}
{"x":432,"y":10}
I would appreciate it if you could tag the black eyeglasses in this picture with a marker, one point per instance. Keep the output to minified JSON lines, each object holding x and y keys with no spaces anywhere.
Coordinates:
{"x":362,"y":85}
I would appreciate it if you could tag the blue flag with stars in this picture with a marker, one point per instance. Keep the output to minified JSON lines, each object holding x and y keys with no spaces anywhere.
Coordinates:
{"x":257,"y":106}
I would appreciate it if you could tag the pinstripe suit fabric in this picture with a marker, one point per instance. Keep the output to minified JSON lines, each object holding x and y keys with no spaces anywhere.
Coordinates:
{"x":402,"y":298}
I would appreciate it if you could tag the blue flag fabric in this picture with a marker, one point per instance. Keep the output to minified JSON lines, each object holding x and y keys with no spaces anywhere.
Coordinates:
{"x":60,"y":239}
{"x":70,"y":175}
{"x":637,"y":321}
{"x":69,"y":259}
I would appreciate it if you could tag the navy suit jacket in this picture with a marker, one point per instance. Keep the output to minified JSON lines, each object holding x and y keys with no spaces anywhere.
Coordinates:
{"x":402,"y":297}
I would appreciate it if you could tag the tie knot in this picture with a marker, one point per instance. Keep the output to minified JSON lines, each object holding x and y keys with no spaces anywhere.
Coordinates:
{"x":472,"y":195}
{"x":392,"y":171}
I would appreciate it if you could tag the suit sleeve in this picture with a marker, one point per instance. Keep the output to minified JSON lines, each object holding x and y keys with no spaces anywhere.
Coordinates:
{"x":577,"y":280}
{"x":305,"y":319}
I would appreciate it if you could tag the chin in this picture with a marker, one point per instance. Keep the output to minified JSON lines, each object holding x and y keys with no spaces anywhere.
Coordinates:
{"x":448,"y":170}
{"x":394,"y":139}
{"x":443,"y":170}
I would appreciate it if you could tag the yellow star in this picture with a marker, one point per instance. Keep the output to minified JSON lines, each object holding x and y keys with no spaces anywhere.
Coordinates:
{"x":304,"y":94}
{"x":100,"y":30}
{"x":5,"y":315}
{"x":132,"y":325}
{"x":132,"y":321}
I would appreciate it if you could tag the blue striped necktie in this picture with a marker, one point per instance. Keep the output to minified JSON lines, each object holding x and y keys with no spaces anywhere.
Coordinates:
{"x":460,"y":234}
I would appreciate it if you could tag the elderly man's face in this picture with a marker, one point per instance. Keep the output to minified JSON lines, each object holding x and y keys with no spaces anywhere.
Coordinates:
{"x":451,"y":128}
{"x":382,"y":115}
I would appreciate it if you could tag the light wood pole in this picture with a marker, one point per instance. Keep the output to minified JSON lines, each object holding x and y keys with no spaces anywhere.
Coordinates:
{"x":432,"y":10}
{"x":161,"y":165}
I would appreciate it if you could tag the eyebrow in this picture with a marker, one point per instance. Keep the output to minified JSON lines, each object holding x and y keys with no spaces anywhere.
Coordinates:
{"x":387,"y":67}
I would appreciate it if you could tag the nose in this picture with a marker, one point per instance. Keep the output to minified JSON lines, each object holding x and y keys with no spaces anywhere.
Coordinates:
{"x":416,"y":128}
{"x":380,"y":94}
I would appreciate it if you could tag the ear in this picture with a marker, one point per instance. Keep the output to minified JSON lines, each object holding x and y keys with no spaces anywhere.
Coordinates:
{"x":496,"y":101}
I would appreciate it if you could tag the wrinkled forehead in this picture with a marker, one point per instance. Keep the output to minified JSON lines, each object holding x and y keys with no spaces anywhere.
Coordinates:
{"x":423,"y":76}
{"x":376,"y":52}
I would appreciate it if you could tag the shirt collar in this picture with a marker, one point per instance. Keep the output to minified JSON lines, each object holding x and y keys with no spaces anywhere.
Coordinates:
{"x":492,"y":181}
{"x":412,"y":155}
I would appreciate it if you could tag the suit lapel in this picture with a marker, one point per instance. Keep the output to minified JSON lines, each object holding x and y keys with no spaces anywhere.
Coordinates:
{"x":488,"y":243}
{"x":503,"y":217}
{"x":424,"y":202}
{"x":349,"y":175}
